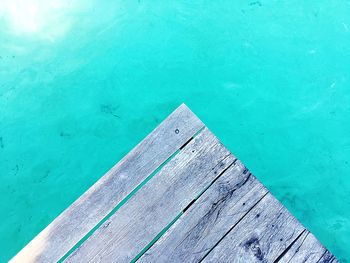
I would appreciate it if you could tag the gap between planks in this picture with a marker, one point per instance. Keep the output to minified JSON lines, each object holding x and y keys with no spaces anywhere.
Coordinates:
{"x":170,"y":191}
{"x":125,"y":200}
{"x":179,"y":215}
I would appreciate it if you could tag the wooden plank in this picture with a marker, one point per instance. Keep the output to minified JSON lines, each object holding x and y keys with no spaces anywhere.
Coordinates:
{"x":85,"y":213}
{"x":305,"y":249}
{"x":209,"y":218}
{"x":154,"y":206}
{"x":328,"y":258}
{"x":261,"y":236}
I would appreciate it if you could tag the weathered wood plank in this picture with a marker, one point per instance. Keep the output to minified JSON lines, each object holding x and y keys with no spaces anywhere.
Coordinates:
{"x":328,"y":258}
{"x":209,"y":218}
{"x":261,"y":236}
{"x":154,"y":206}
{"x":85,"y":213}
{"x":305,"y":249}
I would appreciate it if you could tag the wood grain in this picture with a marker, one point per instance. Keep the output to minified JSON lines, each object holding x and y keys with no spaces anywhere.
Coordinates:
{"x":261,"y":236}
{"x":305,"y":249}
{"x":327,"y":258}
{"x":209,"y":218}
{"x":86,"y":212}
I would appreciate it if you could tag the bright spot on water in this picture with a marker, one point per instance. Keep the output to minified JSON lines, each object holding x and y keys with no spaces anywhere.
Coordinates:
{"x":42,"y":18}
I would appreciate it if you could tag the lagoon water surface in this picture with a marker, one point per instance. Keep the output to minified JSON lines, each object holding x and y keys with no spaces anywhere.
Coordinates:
{"x":82,"y":82}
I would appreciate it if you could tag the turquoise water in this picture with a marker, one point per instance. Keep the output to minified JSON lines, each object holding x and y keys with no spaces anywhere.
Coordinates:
{"x":82,"y":82}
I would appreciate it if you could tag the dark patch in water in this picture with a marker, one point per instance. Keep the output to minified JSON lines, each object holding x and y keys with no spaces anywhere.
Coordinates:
{"x":16,"y":169}
{"x":65,"y":134}
{"x":109,"y":109}
{"x":1,"y":143}
{"x":156,"y":119}
{"x":255,"y":3}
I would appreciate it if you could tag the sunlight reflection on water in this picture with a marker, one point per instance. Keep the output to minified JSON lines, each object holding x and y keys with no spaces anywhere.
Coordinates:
{"x":45,"y":19}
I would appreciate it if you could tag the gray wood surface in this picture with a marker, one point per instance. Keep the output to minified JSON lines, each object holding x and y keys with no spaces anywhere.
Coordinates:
{"x":305,"y":249}
{"x":156,"y":204}
{"x":328,"y":258}
{"x":85,"y":213}
{"x":209,"y":218}
{"x":261,"y":236}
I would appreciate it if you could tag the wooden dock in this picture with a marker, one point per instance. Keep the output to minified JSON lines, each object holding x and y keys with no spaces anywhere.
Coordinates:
{"x":178,"y":196}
